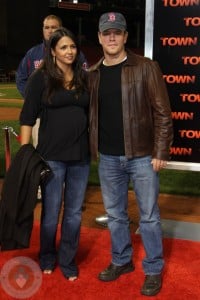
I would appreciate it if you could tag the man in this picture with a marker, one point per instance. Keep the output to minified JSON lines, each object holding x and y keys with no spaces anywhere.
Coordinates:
{"x":131,"y":128}
{"x":33,"y":59}
{"x":34,"y":56}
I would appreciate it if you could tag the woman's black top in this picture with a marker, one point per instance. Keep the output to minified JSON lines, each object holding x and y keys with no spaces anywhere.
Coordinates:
{"x":63,"y":132}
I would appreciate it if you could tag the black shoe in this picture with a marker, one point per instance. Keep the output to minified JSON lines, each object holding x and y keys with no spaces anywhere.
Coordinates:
{"x":102,"y":220}
{"x":152,"y":285}
{"x":114,"y":271}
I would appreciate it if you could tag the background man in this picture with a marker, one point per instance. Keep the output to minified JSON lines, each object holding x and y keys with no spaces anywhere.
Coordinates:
{"x":35,"y":55}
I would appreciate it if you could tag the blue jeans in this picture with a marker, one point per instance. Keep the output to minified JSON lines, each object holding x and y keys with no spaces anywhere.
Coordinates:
{"x":69,"y":182}
{"x":116,"y":172}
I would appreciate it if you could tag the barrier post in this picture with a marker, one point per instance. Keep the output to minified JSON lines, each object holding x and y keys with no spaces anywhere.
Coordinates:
{"x":7,"y":147}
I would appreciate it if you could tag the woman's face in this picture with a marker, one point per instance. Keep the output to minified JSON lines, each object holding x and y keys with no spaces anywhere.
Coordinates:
{"x":65,"y":51}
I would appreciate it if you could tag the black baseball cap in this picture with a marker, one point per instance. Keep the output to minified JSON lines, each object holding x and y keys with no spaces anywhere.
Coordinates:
{"x":111,"y":20}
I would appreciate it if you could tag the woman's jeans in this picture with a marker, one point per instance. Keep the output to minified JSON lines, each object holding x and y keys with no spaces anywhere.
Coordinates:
{"x":69,"y":182}
{"x":115,"y":173}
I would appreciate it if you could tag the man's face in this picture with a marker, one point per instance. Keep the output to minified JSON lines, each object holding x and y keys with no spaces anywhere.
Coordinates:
{"x":113,"y":40}
{"x":49,"y":26}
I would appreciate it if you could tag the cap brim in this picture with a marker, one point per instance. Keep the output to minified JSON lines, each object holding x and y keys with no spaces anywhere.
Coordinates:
{"x":112,"y":26}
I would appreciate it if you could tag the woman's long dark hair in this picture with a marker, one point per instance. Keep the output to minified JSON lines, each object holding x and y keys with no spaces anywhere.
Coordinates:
{"x":54,"y":75}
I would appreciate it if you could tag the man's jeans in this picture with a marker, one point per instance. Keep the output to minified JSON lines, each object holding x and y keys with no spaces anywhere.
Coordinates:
{"x":73,"y":176}
{"x":115,"y":174}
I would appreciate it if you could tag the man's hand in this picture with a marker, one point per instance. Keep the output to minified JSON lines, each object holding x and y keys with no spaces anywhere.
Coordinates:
{"x":158,"y":164}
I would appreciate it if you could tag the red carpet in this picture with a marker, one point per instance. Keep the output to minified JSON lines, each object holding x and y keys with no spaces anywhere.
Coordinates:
{"x":181,"y":275}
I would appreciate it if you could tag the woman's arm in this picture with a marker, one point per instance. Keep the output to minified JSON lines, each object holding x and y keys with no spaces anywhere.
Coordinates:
{"x":32,"y":106}
{"x":25,"y":134}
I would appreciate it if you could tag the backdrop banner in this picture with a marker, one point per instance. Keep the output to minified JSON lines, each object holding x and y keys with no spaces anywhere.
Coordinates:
{"x":176,"y":46}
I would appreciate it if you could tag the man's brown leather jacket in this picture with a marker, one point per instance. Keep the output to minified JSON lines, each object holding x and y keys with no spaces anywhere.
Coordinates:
{"x":148,"y":128}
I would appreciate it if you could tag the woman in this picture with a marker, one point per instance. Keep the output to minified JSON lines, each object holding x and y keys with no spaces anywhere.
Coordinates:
{"x":57,"y":91}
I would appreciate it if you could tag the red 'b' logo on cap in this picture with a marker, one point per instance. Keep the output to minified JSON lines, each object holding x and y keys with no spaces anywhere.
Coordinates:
{"x":111,"y":17}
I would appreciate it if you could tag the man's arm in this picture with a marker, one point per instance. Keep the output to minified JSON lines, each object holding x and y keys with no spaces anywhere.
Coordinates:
{"x":22,"y":74}
{"x":163,"y":125}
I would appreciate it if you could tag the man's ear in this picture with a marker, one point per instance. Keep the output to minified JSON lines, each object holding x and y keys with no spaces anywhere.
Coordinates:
{"x":125,"y":37}
{"x":99,"y":37}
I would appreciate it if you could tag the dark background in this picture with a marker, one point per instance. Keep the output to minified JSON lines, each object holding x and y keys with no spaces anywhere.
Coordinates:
{"x":21,"y":25}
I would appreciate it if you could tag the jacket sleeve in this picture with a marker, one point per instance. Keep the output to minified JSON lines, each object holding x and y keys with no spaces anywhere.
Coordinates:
{"x":163,"y":126}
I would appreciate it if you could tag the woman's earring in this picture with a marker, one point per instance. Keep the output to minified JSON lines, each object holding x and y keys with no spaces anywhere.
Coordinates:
{"x":54,"y":60}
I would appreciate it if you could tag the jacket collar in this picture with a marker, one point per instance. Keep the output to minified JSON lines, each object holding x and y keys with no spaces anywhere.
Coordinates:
{"x":132,"y":59}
